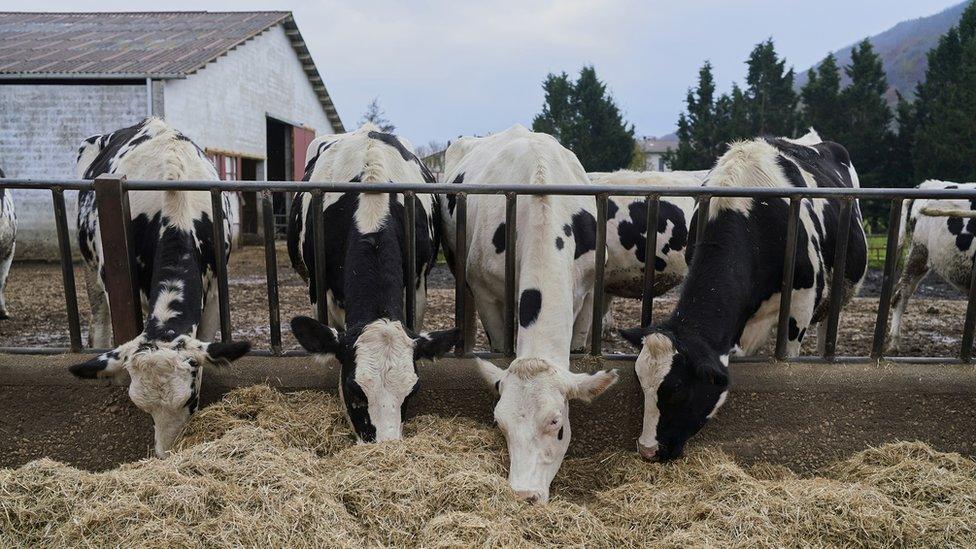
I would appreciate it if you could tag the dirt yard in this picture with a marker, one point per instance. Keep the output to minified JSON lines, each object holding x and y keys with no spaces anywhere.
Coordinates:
{"x":35,"y":299}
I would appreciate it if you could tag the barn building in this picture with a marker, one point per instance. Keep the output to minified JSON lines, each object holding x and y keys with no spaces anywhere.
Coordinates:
{"x":241,"y":84}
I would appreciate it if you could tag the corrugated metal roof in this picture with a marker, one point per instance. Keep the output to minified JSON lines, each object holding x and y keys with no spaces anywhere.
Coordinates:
{"x":138,"y":44}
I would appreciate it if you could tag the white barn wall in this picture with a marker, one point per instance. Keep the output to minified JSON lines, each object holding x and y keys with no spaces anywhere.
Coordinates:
{"x":41,"y":128}
{"x":223,"y":106}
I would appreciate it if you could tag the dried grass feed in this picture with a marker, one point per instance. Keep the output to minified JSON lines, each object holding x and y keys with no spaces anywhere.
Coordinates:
{"x":267,"y":469}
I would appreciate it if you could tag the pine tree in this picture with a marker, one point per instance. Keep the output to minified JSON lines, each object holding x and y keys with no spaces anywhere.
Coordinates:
{"x":901,"y":170}
{"x":945,"y":134}
{"x":697,"y":136}
{"x":732,"y":112}
{"x":867,"y":116}
{"x":822,"y":108}
{"x":585,"y":119}
{"x":557,"y":116}
{"x":374,"y":114}
{"x":772,"y":101}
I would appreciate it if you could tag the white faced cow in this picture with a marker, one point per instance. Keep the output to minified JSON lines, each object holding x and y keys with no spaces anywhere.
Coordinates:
{"x":627,"y":231}
{"x":366,"y":272}
{"x":730,"y":299}
{"x":172,"y":233}
{"x":940,"y":235}
{"x":8,"y":242}
{"x":554,"y":273}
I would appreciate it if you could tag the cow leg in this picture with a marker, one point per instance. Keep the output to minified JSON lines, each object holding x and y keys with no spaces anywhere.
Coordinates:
{"x":100,"y":329}
{"x":607,"y":314}
{"x":337,"y":314}
{"x":801,"y":313}
{"x":916,"y":267}
{"x":210,"y":319}
{"x":492,"y":316}
{"x":418,"y":321}
{"x":581,"y":327}
{"x":4,"y":271}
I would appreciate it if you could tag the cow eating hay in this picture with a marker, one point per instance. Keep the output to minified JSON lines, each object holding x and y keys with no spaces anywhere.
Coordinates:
{"x":264,"y":468}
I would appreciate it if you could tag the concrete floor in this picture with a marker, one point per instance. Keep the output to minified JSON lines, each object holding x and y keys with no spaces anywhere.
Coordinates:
{"x":799,"y":415}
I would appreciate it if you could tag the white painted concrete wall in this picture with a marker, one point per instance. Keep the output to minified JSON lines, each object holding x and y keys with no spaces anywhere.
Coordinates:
{"x":41,"y":127}
{"x":223,"y":106}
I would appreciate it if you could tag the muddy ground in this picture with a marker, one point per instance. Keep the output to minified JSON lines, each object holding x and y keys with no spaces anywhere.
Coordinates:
{"x":35,"y":301}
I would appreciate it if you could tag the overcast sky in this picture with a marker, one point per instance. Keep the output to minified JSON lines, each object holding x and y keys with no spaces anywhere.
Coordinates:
{"x":448,"y":68}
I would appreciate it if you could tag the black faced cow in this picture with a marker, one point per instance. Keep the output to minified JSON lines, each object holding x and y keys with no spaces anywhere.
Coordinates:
{"x":366,"y":272}
{"x":554,"y":273}
{"x":8,"y":241}
{"x":730,"y":300}
{"x":175,"y":255}
{"x":940,"y":234}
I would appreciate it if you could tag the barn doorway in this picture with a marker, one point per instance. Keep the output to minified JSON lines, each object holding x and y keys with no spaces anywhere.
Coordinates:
{"x":285,"y":162}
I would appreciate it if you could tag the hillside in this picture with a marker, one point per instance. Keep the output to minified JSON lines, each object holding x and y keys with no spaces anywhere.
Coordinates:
{"x":903,"y":49}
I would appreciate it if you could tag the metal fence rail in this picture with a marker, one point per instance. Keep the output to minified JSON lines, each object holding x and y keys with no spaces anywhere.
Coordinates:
{"x":112,"y":203}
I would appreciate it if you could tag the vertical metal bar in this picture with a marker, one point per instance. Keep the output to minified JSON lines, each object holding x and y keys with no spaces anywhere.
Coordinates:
{"x":318,"y":239}
{"x":121,"y":284}
{"x":461,"y":271}
{"x":596,"y":331}
{"x":704,"y":201}
{"x":650,"y":259}
{"x":888,"y":282}
{"x":220,"y":263}
{"x":67,"y":269}
{"x":789,"y":268}
{"x":410,"y":235}
{"x":838,"y":278}
{"x":511,"y":201}
{"x":966,"y":353}
{"x":271,"y":270}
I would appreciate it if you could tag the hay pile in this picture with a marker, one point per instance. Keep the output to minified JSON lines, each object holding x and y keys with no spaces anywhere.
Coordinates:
{"x":263,"y":468}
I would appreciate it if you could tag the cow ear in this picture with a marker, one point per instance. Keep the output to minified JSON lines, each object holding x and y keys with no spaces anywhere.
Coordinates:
{"x":586,"y":387}
{"x":315,"y":337}
{"x":634,"y":336}
{"x":435,"y":344}
{"x":102,"y":366}
{"x":714,"y":372}
{"x":225,"y":353}
{"x":490,"y":373}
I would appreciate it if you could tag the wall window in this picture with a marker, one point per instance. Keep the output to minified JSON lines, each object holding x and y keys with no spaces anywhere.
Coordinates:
{"x":228,"y":166}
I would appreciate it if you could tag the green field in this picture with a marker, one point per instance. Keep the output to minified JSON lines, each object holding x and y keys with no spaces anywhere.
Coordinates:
{"x":876,"y":250}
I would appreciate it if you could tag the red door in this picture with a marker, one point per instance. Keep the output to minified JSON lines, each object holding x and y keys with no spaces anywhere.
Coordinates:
{"x":301,"y":138}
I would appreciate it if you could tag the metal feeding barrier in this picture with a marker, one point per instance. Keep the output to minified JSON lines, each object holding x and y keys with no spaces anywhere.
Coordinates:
{"x":125,"y":304}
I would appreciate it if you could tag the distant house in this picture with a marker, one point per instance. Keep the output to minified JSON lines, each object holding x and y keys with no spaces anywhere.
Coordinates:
{"x":242,"y":85}
{"x":654,"y":150}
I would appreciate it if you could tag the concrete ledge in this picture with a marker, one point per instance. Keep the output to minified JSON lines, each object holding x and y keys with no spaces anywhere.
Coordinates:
{"x":798,"y":415}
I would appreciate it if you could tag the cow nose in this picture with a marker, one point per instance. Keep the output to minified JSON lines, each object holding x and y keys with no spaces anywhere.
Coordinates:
{"x":647,"y":452}
{"x":529,"y":496}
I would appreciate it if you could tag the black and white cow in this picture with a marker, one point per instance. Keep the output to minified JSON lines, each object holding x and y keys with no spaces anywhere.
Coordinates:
{"x":175,"y":255}
{"x":8,"y":242}
{"x":940,"y":236}
{"x":366,"y":272}
{"x":554,"y":273}
{"x":730,"y":299}
{"x":627,"y":231}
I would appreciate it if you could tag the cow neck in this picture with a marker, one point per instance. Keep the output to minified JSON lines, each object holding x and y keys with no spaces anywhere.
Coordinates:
{"x":544,"y":269}
{"x":719,"y":294}
{"x":373,"y":280}
{"x":176,"y":294}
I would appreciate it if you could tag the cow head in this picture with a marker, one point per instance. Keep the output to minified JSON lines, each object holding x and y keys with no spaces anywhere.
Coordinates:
{"x":533,"y":414}
{"x":378,"y":369}
{"x":684,"y":385}
{"x":165,"y":377}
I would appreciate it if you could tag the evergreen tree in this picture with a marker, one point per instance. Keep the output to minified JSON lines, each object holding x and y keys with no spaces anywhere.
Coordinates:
{"x":867,"y":116}
{"x":557,"y":117}
{"x":375,"y":115}
{"x":732,"y":112}
{"x":945,"y":130}
{"x":698,"y":142}
{"x":901,"y":170}
{"x":822,"y":108}
{"x":772,"y":101}
{"x":585,"y":119}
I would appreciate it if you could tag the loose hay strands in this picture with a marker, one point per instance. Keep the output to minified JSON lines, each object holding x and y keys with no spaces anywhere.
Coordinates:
{"x":262,"y":468}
